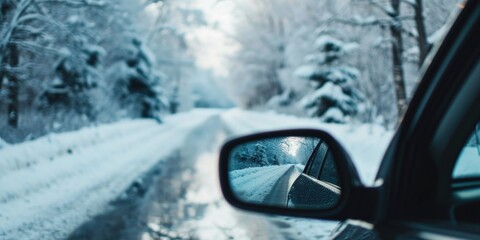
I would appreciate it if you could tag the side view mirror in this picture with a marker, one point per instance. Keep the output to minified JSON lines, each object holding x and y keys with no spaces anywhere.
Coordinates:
{"x":301,"y":172}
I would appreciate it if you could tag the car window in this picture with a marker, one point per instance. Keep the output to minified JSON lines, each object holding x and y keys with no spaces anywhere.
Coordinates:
{"x":329,"y":172}
{"x":468,"y":162}
{"x":317,"y":161}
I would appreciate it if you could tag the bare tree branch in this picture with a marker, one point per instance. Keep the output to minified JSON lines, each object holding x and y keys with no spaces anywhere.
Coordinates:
{"x":74,"y":4}
{"x":388,"y":11}
{"x":7,"y":33}
{"x":30,"y":29}
{"x":35,"y":48}
{"x":410,"y":2}
{"x":362,"y":22}
{"x":409,"y":32}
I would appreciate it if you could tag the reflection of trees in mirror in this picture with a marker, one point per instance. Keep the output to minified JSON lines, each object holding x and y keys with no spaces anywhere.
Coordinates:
{"x":273,"y":151}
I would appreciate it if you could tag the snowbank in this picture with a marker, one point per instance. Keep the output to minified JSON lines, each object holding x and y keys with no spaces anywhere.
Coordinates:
{"x":3,"y":143}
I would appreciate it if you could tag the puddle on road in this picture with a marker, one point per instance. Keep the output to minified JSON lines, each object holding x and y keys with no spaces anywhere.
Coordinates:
{"x":165,"y":209}
{"x":188,"y":204}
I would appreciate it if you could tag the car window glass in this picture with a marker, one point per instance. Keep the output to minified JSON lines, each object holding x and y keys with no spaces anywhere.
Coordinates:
{"x":328,"y":172}
{"x":318,"y":160}
{"x":468,"y":162}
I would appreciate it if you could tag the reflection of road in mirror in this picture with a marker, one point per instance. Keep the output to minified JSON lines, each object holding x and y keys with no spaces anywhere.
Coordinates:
{"x":265,"y":185}
{"x":278,"y":195}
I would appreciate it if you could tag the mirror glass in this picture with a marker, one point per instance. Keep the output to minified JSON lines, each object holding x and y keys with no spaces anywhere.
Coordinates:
{"x":287,"y":172}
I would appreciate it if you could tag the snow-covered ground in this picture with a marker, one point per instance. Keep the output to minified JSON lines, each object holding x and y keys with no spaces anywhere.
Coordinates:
{"x":253,"y":184}
{"x":2,"y":143}
{"x":51,"y":185}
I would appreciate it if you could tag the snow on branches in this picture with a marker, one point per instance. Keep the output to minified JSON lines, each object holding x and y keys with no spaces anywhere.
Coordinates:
{"x":136,"y":85}
{"x":335,"y":97}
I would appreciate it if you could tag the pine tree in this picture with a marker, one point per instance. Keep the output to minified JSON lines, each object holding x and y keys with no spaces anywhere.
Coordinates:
{"x":335,"y":98}
{"x":75,"y":76}
{"x":260,"y":154}
{"x":138,"y":88}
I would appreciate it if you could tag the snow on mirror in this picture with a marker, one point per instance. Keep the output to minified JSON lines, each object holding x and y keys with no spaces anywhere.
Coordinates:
{"x":287,"y":172}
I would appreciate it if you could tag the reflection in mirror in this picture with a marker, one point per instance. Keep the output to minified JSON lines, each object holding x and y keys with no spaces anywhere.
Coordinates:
{"x":286,"y":172}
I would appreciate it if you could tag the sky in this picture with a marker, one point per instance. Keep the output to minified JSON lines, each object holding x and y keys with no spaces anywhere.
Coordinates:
{"x":293,"y":145}
{"x":211,"y":43}
{"x":213,"y":46}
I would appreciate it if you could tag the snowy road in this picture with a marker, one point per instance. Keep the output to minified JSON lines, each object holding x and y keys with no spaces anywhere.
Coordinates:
{"x":265,"y":185}
{"x":57,"y":184}
{"x":279,"y":194}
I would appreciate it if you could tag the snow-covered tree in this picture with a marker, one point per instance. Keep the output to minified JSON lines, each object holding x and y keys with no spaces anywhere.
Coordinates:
{"x":172,"y":38}
{"x":273,"y":151}
{"x":137,"y":86}
{"x":75,"y":76}
{"x":256,"y":69}
{"x":335,"y":98}
{"x":260,"y":154}
{"x":278,"y":34}
{"x":407,"y":25}
{"x":26,"y":28}
{"x":249,"y":155}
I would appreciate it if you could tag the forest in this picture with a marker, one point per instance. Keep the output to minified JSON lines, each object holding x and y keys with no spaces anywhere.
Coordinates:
{"x":67,"y":64}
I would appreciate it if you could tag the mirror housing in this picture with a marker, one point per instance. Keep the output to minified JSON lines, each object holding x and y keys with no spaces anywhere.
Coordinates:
{"x":356,"y":201}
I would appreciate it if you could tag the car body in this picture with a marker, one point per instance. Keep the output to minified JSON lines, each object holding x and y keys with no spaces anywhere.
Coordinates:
{"x":415,"y":194}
